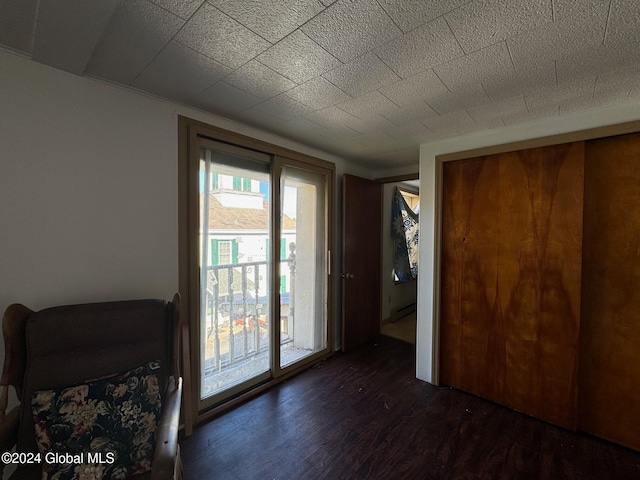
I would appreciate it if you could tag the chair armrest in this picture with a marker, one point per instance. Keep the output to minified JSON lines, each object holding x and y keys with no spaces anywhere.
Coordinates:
{"x":9,"y":430}
{"x":166,"y":452}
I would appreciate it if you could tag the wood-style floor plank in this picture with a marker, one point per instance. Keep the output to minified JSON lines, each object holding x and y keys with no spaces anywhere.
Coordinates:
{"x":363,"y":415}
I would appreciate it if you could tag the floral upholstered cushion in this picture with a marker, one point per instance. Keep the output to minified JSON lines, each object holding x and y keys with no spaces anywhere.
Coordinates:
{"x":102,"y":429}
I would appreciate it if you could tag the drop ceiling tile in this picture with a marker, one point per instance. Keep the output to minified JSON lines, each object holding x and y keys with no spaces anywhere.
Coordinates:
{"x":17,"y":20}
{"x":591,"y":102}
{"x":414,"y":90}
{"x":318,"y":93}
{"x":481,"y":23}
{"x":259,"y":80}
{"x":376,"y":144}
{"x":361,"y":75}
{"x":331,"y":116}
{"x":560,"y":93}
{"x":481,"y":67}
{"x":412,"y":131}
{"x":417,"y":111}
{"x":67,"y":32}
{"x":463,"y":98}
{"x":620,"y":80}
{"x":137,"y":32}
{"x":491,"y":124}
{"x":409,"y":14}
{"x":425,"y":47}
{"x":596,"y":61}
{"x":529,"y":116}
{"x":449,"y":124}
{"x":304,"y":126}
{"x":182,"y":8}
{"x":298,"y":58}
{"x":348,"y":29}
{"x":180,"y":73}
{"x":623,"y":29}
{"x":398,"y":158}
{"x":284,"y":107}
{"x":222,"y":98}
{"x":521,"y":82}
{"x":369,"y":104}
{"x":213,"y":33}
{"x":372,"y":124}
{"x":578,"y":27}
{"x":271,"y":19}
{"x":261,"y":120}
{"x":496,"y":110}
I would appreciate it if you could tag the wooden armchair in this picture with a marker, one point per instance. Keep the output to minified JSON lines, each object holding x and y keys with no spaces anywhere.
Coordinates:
{"x":100,"y":390}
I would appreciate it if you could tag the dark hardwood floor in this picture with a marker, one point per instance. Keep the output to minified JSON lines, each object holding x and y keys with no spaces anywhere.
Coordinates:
{"x":363,"y":415}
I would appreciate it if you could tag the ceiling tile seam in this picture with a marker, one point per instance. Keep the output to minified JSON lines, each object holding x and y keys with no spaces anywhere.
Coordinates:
{"x":385,"y":63}
{"x":162,"y":49}
{"x":441,"y":81}
{"x":555,"y":70}
{"x":435,"y":109}
{"x":246,"y":91}
{"x":453,"y":33}
{"x":593,"y":90}
{"x":173,"y":13}
{"x":388,"y":97}
{"x":513,"y":64}
{"x":245,"y":26}
{"x":485,"y":92}
{"x":35,"y":29}
{"x":185,"y":21}
{"x":437,"y":17}
{"x":553,"y":11}
{"x":353,"y":59}
{"x":390,"y":17}
{"x":606,"y":25}
{"x":312,"y":40}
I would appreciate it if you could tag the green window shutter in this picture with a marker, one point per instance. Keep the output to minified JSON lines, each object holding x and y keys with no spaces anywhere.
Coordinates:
{"x":246,"y":184}
{"x":214,"y":252}
{"x":215,"y":181}
{"x":236,"y":183}
{"x":283,"y":249}
{"x":267,"y":252}
{"x":283,"y":284}
{"x":234,"y":252}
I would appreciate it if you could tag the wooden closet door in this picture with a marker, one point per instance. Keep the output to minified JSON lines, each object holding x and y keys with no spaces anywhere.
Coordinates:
{"x":609,"y":402}
{"x":511,"y":270}
{"x":469,"y":347}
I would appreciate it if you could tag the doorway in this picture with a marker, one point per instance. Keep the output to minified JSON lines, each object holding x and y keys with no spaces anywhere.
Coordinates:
{"x":399,"y":317}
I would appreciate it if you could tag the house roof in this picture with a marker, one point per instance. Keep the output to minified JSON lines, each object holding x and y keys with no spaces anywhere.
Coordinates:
{"x":233,"y":218}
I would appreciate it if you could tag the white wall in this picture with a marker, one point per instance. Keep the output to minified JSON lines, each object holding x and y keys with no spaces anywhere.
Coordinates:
{"x":430,"y":185}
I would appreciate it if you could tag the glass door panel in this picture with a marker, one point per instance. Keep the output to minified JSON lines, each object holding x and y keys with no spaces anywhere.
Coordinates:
{"x":303,"y":265}
{"x":235,"y":275}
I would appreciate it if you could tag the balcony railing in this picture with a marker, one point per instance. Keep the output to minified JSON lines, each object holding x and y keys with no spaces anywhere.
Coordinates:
{"x":236,"y":313}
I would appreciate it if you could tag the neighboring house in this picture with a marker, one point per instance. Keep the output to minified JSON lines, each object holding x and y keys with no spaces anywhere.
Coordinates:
{"x":239,"y":234}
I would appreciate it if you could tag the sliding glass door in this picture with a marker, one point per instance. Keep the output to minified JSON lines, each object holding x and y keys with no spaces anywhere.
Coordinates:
{"x":235,"y":294}
{"x":303,"y":298}
{"x":263,"y":256}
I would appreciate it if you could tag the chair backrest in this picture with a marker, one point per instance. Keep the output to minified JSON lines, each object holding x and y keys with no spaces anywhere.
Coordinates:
{"x":69,"y":345}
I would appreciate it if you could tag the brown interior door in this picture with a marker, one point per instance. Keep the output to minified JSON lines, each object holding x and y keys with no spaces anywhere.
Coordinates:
{"x":511,"y":270}
{"x":609,"y":400}
{"x":361,"y":232}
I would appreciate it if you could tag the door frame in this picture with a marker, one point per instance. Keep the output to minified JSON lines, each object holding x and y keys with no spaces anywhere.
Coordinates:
{"x":188,"y":271}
